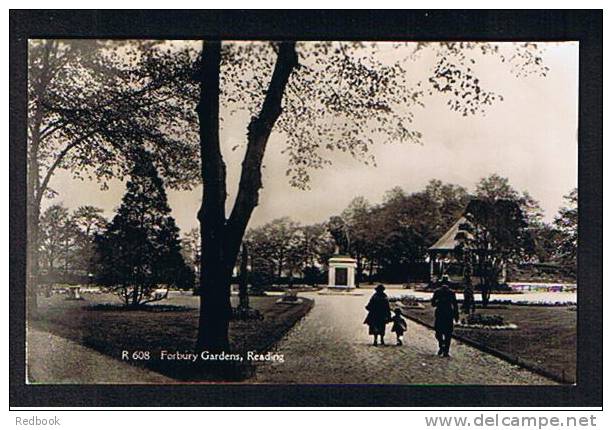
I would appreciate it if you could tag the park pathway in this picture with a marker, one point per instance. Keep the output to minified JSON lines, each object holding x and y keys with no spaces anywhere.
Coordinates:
{"x":331,"y":346}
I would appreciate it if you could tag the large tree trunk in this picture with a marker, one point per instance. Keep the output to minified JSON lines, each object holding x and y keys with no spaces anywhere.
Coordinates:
{"x":32,"y":262}
{"x":215,"y":308}
{"x":221,"y":238}
{"x":33,"y":219}
{"x":243,"y":285}
{"x":34,"y":189}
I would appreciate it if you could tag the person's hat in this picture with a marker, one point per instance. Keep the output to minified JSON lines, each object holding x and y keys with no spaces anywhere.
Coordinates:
{"x":444,"y":278}
{"x":380,"y":288}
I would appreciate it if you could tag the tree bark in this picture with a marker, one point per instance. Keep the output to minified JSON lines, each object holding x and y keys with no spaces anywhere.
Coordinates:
{"x":221,"y":238}
{"x":259,"y":131}
{"x":34,"y":190}
{"x":243,"y":287}
{"x":33,"y":230}
{"x":34,"y":195}
{"x":215,"y":307}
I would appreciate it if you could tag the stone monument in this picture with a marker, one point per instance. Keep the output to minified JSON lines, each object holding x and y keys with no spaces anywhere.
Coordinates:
{"x":341,"y":265}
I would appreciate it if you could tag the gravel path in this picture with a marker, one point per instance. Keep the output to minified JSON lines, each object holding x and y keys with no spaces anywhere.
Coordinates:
{"x":331,"y":346}
{"x":54,"y":360}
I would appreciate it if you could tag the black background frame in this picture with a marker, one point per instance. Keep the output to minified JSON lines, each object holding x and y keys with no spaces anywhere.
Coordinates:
{"x":586,"y":27}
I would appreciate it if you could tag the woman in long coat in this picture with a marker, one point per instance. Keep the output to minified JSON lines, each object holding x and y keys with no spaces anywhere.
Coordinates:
{"x":379,"y":314}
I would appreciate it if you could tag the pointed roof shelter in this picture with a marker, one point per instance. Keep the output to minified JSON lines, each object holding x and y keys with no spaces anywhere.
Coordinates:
{"x":444,"y":250}
{"x":448,"y":241}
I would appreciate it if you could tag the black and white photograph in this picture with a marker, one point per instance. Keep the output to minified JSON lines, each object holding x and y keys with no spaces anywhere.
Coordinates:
{"x":275,"y":211}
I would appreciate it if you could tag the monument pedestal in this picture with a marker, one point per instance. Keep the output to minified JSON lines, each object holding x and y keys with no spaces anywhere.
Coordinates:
{"x":341,"y":273}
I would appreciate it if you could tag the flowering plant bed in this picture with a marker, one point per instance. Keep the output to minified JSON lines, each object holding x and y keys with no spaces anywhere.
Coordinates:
{"x":409,"y":301}
{"x":339,"y":292}
{"x":146,"y":307}
{"x":484,"y":321}
{"x":532,"y":303}
{"x":487,"y":327}
{"x":289,"y":298}
{"x":415,"y":305}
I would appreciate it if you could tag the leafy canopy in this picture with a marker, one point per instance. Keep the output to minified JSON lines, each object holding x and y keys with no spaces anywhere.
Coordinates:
{"x":345,"y":96}
{"x":93,"y":104}
{"x":141,"y":247}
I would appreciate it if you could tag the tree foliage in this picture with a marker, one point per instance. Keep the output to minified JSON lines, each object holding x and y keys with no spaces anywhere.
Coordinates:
{"x":347,"y":96}
{"x":59,"y":239}
{"x":496,"y":234}
{"x":93,"y":104}
{"x":566,"y":224}
{"x":140,"y":249}
{"x":66,"y":241}
{"x":191,"y":249}
{"x":282,"y":247}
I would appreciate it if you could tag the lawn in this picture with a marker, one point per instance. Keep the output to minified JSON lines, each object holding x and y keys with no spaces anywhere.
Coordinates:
{"x":545,"y":340}
{"x":113,"y":331}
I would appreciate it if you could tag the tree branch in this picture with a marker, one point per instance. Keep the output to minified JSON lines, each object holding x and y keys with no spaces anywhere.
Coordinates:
{"x":58,"y":161}
{"x":259,"y":131}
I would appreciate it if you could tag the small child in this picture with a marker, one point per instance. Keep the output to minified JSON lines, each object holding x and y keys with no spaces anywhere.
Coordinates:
{"x":399,"y":325}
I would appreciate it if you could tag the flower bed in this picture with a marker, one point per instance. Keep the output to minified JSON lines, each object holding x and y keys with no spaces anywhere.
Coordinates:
{"x":289,"y":298}
{"x":409,"y":301}
{"x":484,"y":321}
{"x":487,"y":327}
{"x":532,"y":303}
{"x":408,"y":298}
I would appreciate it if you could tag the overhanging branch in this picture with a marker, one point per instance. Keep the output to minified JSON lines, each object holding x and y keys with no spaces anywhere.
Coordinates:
{"x":259,"y":131}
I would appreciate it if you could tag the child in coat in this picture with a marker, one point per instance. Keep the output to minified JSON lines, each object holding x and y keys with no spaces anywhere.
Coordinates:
{"x":399,"y":325}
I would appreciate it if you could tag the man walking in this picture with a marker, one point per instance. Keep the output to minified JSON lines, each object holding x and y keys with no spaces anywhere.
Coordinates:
{"x":445,"y":302}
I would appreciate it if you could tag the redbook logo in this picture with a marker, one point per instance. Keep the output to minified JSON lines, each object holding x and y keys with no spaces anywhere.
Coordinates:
{"x":36,"y":421}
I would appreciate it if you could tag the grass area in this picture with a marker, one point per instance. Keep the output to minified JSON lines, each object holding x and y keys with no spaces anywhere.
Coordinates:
{"x":545,"y":340}
{"x":174,"y":329}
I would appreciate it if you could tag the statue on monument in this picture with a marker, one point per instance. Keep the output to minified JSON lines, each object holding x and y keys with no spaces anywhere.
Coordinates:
{"x":339,"y":230}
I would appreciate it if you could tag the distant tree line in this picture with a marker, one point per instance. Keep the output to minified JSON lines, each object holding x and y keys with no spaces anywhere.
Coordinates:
{"x":390,"y":240}
{"x":67,"y":242}
{"x":140,"y":248}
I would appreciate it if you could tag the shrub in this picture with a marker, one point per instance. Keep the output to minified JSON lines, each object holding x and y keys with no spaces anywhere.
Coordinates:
{"x":245,"y":314}
{"x":290,"y":296}
{"x":485,"y":320}
{"x":408,"y":300}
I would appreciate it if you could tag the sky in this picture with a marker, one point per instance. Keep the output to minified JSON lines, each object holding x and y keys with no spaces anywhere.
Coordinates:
{"x":530,"y":137}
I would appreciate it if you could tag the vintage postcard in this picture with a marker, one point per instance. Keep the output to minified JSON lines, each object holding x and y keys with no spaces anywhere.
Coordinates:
{"x":262,"y":209}
{"x":318,"y":212}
